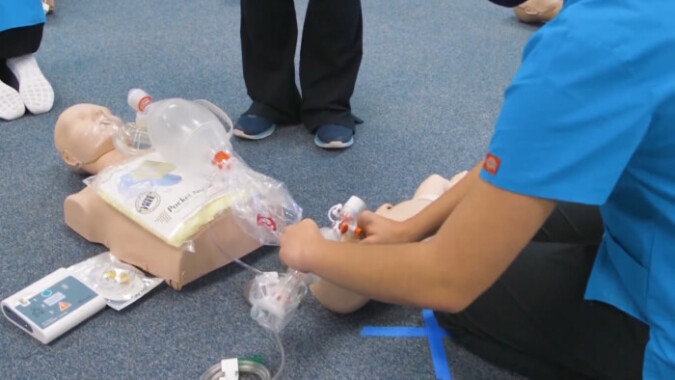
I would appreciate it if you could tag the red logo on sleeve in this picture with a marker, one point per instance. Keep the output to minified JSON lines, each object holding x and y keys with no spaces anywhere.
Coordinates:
{"x":491,"y":163}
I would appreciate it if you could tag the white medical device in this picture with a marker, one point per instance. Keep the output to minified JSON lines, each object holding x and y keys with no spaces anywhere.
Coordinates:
{"x":52,"y":305}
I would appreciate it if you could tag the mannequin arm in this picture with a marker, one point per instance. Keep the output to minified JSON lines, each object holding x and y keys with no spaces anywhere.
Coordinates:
{"x":428,"y":221}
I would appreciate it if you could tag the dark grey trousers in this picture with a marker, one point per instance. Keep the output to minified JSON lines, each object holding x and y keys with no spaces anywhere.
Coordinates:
{"x":330,"y":57}
{"x":534,"y":319}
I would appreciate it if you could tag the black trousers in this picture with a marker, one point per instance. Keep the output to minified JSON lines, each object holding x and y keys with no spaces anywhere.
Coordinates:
{"x":534,"y":319}
{"x":16,"y":42}
{"x":330,"y":56}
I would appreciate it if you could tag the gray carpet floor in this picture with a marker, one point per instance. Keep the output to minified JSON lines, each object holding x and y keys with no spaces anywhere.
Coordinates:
{"x":429,"y":90}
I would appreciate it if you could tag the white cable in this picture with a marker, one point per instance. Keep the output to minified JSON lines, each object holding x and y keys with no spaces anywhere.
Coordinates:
{"x":277,"y":338}
{"x":251,"y":367}
{"x":215,"y":372}
{"x":238,"y":261}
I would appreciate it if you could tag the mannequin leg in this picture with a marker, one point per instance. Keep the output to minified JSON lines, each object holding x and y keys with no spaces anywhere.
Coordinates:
{"x":35,"y":91}
{"x":48,"y":6}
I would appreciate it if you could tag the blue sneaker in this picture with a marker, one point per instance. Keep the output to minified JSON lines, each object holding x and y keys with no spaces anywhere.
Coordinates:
{"x":253,"y":127}
{"x":333,"y":136}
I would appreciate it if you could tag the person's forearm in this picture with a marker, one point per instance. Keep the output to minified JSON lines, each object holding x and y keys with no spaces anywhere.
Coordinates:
{"x":429,"y":220}
{"x":474,"y":245}
{"x":406,"y":274}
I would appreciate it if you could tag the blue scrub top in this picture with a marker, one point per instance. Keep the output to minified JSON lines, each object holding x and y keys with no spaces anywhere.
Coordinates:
{"x":590,"y":118}
{"x":19,"y":13}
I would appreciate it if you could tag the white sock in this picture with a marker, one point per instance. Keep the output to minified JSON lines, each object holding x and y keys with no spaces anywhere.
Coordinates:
{"x":11,"y":105}
{"x":35,"y":91}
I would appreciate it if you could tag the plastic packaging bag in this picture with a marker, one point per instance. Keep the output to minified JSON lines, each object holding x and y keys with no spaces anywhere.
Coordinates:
{"x":194,"y":136}
{"x":119,"y":283}
{"x":266,"y":207}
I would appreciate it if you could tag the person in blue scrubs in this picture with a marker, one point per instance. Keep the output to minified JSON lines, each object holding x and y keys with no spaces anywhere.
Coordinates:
{"x":21,"y":26}
{"x":555,"y":256}
{"x":20,"y":13}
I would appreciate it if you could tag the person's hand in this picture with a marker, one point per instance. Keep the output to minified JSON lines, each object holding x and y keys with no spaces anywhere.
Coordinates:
{"x":298,"y":242}
{"x":379,"y":229}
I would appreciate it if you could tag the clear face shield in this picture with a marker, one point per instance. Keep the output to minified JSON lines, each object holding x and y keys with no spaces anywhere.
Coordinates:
{"x":130,"y":138}
{"x":104,"y":126}
{"x":99,"y":132}
{"x":88,"y":135}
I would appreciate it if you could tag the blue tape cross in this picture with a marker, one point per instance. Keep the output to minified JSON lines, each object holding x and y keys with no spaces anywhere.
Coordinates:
{"x":431,"y":330}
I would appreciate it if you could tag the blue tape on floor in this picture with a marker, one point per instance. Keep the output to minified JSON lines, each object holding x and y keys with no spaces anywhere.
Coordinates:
{"x":417,"y":332}
{"x":431,"y":330}
{"x":435,"y":336}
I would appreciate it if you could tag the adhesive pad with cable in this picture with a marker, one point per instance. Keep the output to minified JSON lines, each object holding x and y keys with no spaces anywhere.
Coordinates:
{"x":112,"y":279}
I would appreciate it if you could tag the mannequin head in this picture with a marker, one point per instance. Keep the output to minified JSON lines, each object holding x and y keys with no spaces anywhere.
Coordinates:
{"x":83,"y":135}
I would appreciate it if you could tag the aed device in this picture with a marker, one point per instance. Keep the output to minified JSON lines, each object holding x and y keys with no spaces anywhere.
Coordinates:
{"x":52,"y":305}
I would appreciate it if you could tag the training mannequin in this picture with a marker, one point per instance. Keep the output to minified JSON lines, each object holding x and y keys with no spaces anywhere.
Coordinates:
{"x":22,"y":84}
{"x":341,"y":300}
{"x":83,"y":135}
{"x":538,"y":11}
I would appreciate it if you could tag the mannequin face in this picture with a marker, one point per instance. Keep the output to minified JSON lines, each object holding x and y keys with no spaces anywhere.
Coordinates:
{"x":84,"y":133}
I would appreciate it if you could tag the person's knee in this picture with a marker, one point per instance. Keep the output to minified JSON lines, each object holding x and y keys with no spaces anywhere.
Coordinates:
{"x":453,"y":323}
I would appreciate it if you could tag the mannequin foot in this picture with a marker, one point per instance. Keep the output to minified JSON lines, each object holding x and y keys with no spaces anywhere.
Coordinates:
{"x":48,"y":6}
{"x":11,"y":105}
{"x":35,"y":91}
{"x":435,"y":185}
{"x":538,"y":11}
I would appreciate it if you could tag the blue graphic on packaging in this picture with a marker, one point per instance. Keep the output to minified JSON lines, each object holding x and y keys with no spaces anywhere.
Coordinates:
{"x":149,"y":174}
{"x":127,"y":181}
